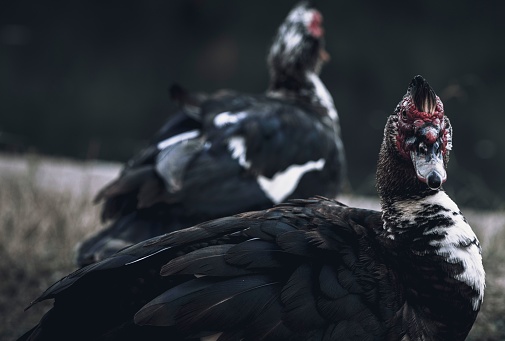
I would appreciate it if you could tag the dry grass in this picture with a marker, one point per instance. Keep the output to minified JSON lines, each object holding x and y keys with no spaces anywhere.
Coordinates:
{"x":39,"y":227}
{"x":37,"y":236}
{"x":490,"y":324}
{"x":45,"y":208}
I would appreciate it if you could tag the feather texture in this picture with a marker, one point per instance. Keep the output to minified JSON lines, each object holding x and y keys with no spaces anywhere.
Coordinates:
{"x":228,"y":152}
{"x":309,"y":269}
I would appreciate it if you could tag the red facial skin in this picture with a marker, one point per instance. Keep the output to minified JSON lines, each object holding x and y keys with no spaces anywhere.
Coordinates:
{"x":315,"y":27}
{"x":410,"y":120}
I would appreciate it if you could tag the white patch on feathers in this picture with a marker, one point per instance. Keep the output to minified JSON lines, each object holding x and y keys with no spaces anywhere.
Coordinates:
{"x":451,"y":247}
{"x":456,"y":236}
{"x":300,"y":14}
{"x":284,"y":183}
{"x":324,"y":95}
{"x":292,"y":39}
{"x":178,"y":138}
{"x":236,"y":145}
{"x":228,"y":117}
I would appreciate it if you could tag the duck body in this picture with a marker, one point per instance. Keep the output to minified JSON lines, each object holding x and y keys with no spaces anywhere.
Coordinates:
{"x":230,"y":152}
{"x":264,"y":151}
{"x":308,"y":269}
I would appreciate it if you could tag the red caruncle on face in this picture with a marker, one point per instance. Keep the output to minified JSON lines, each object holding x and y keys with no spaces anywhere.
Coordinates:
{"x":411,"y":120}
{"x":315,"y":27}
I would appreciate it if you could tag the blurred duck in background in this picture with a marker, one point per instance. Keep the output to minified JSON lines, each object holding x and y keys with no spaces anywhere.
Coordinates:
{"x":229,"y":152}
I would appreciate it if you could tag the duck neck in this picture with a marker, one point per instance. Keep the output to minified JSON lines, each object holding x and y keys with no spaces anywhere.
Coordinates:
{"x":396,"y":177}
{"x":439,"y":258}
{"x":303,"y":86}
{"x":437,"y":253}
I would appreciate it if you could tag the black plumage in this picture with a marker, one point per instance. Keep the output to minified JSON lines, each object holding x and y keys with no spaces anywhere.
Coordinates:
{"x":308,"y":269}
{"x":229,"y":152}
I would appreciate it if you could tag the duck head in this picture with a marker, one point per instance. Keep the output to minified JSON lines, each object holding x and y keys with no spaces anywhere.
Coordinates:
{"x":424,"y":135}
{"x":299,"y":44}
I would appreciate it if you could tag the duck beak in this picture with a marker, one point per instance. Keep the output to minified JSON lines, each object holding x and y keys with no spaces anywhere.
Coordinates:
{"x":324,"y":55}
{"x":428,"y":161}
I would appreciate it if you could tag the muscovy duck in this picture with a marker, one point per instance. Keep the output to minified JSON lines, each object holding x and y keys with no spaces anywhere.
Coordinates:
{"x":229,"y":152}
{"x":308,"y":269}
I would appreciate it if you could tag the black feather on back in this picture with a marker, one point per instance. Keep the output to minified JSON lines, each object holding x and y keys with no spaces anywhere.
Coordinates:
{"x":223,"y":153}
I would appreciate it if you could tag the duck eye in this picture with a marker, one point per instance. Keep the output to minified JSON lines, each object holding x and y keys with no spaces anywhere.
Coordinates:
{"x":404,"y":114}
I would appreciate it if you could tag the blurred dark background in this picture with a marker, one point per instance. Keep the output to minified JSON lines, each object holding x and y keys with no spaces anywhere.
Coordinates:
{"x":89,"y":79}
